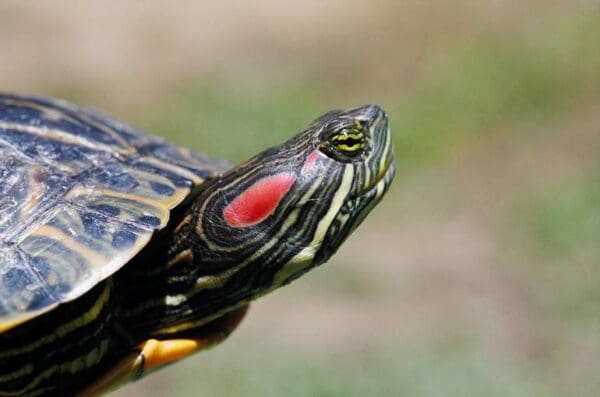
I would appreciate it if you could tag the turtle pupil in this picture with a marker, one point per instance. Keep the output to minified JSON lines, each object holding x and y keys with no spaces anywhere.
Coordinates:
{"x":349,"y":143}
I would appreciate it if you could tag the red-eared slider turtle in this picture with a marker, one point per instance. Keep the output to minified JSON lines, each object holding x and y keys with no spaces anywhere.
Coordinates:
{"x":120,"y":253}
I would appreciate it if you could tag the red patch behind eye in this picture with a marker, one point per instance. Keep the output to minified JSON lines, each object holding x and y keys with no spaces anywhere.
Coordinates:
{"x":258,"y":201}
{"x":310,"y":161}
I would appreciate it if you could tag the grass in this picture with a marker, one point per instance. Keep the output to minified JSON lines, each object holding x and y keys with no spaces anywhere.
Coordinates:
{"x":565,"y":225}
{"x":484,"y":87}
{"x":268,"y":370}
{"x":474,"y":89}
{"x":471,"y":88}
{"x":566,"y":220}
{"x":230,"y":124}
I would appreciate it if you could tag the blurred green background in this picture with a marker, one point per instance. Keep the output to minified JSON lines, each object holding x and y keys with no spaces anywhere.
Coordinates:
{"x":479,"y":273}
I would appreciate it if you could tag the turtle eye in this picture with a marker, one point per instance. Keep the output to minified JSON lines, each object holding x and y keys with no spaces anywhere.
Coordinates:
{"x":345,"y":144}
{"x":349,"y":142}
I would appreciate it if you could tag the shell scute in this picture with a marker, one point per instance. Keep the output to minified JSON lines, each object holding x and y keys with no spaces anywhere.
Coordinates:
{"x":80,"y":195}
{"x":21,"y":288}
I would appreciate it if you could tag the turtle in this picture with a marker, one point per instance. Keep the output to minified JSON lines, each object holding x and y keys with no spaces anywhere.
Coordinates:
{"x":121,"y":253}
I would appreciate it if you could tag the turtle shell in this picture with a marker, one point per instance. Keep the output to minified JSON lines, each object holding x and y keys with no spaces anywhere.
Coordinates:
{"x":80,"y":195}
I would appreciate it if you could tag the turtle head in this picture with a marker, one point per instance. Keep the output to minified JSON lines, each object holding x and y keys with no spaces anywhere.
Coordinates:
{"x":356,"y":156}
{"x":288,"y":209}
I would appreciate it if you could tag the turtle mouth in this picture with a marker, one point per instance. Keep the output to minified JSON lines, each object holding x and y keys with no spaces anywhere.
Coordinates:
{"x":356,"y":207}
{"x":380,"y":182}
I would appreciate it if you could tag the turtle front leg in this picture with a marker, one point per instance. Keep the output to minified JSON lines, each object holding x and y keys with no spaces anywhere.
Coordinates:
{"x":154,"y":354}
